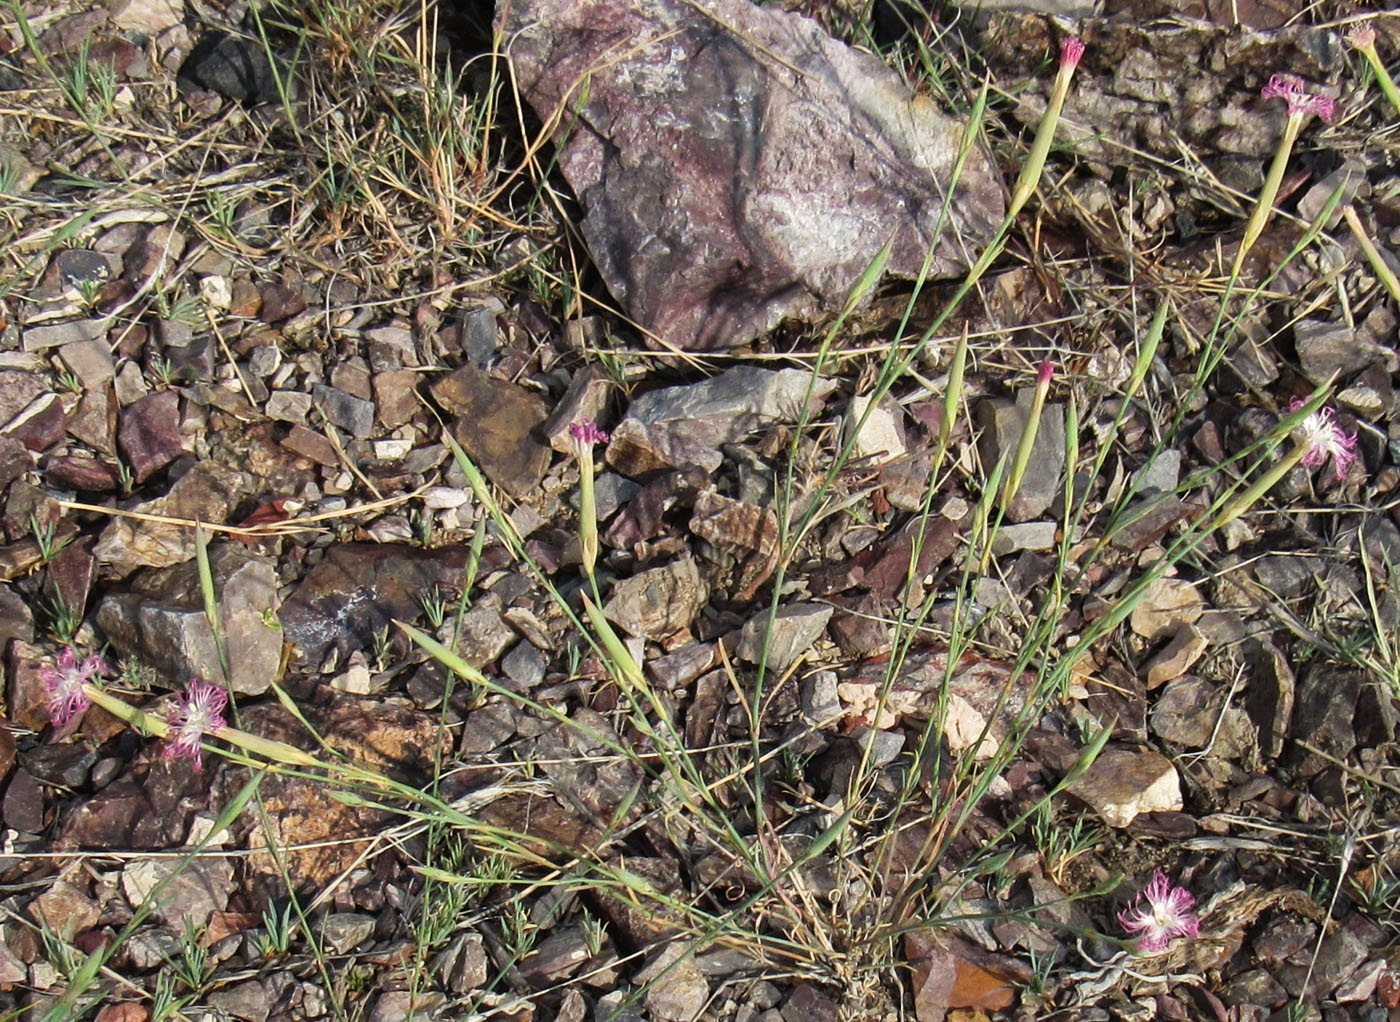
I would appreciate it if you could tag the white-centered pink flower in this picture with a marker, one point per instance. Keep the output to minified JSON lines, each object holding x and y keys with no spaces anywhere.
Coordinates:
{"x":1161,"y":912}
{"x":64,"y":684}
{"x":1322,"y":438}
{"x":199,"y":712}
{"x":1300,"y":101}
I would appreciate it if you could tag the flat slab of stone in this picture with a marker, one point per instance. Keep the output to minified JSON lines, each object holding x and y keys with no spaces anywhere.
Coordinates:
{"x":1126,"y":781}
{"x":499,"y":426}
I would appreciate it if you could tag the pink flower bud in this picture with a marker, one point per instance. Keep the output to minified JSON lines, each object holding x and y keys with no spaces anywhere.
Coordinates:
{"x":587,"y":433}
{"x":1070,"y":51}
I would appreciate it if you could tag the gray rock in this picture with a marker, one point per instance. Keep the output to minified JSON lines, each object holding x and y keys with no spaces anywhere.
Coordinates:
{"x":524,"y":666}
{"x":150,"y":948}
{"x":679,"y":426}
{"x":1325,"y":349}
{"x":486,"y":728}
{"x":1185,"y":712}
{"x":767,"y":191}
{"x":659,"y":602}
{"x":163,"y":621}
{"x":462,"y":964}
{"x":193,"y":891}
{"x":90,"y":361}
{"x":249,"y":1000}
{"x":236,"y":67}
{"x":288,"y":406}
{"x":1161,"y":474}
{"x":818,"y":699}
{"x":1010,"y":539}
{"x":1002,"y":424}
{"x":345,"y":931}
{"x":480,"y":334}
{"x":734,"y":404}
{"x":41,"y":338}
{"x":795,"y":628}
{"x":676,"y":989}
{"x":884,"y":745}
{"x":1323,"y":715}
{"x":484,"y":636}
{"x":557,"y":957}
{"x":406,"y":1006}
{"x":353,"y":414}
{"x":390,"y":347}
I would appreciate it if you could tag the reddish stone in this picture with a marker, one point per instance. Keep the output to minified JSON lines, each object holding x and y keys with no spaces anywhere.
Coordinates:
{"x":150,"y":433}
{"x":80,"y":472}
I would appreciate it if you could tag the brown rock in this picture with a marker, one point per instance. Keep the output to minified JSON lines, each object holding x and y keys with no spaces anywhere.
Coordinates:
{"x":586,"y":398}
{"x":1176,"y":658}
{"x":80,"y":472}
{"x":206,"y":493}
{"x":15,"y":460}
{"x":94,"y":420}
{"x":396,"y":396}
{"x":950,"y":972}
{"x":744,"y":531}
{"x":310,"y":444}
{"x":1165,"y":604}
{"x":40,"y":425}
{"x":278,"y":303}
{"x":498,"y":426}
{"x":65,"y":908}
{"x":17,"y":390}
{"x":149,"y":808}
{"x":318,"y":836}
{"x":1127,"y":780}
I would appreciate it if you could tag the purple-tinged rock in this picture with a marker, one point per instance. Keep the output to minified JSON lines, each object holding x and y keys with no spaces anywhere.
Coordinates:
{"x":739,"y":166}
{"x":149,"y":433}
{"x":280,"y":302}
{"x":40,"y":425}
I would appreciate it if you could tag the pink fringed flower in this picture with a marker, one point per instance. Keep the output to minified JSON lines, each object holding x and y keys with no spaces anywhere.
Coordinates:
{"x":1071,"y":50}
{"x":587,"y":433}
{"x":200,"y":711}
{"x":1322,"y":438}
{"x":1300,"y":101}
{"x":1161,"y":911}
{"x":64,"y":684}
